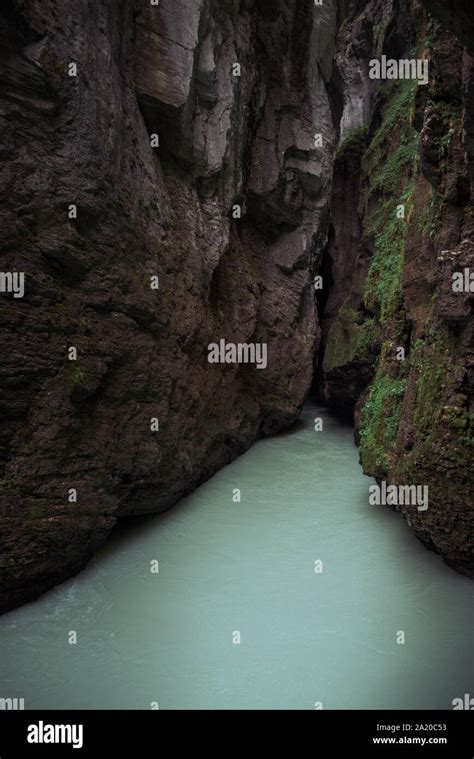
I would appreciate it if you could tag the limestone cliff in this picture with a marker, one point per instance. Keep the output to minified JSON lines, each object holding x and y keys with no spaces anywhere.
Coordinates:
{"x":397,"y":337}
{"x":173,"y":140}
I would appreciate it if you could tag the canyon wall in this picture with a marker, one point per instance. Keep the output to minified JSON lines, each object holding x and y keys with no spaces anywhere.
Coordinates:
{"x":164,"y":189}
{"x":397,"y":349}
{"x":168,"y":172}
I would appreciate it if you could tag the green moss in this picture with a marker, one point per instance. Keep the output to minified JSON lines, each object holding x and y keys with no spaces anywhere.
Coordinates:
{"x":388,"y":179}
{"x":350,"y":341}
{"x":437,"y":411}
{"x":390,"y":158}
{"x":428,"y":219}
{"x":449,"y":115}
{"x":429,"y":387}
{"x":442,"y":429}
{"x":396,"y":123}
{"x":367,"y":339}
{"x":77,"y":376}
{"x":380,"y":420}
{"x":416,"y":353}
{"x":341,"y":342}
{"x":383,"y":285}
{"x":431,"y":361}
{"x":353,"y":144}
{"x":466,"y":438}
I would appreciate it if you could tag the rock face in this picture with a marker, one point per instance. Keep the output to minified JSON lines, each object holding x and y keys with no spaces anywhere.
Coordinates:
{"x":168,"y":171}
{"x":175,"y":141}
{"x":397,"y":336}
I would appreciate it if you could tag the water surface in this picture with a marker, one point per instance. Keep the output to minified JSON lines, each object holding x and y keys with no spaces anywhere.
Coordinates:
{"x":249,"y":567}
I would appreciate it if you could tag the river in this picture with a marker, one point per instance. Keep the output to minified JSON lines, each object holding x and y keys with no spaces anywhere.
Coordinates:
{"x":310,"y":633}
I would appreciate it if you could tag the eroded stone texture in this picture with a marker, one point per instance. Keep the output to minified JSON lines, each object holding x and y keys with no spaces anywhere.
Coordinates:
{"x":143,"y":212}
{"x":390,"y":282}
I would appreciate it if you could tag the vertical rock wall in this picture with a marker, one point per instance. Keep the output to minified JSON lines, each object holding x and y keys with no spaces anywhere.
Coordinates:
{"x":77,"y":446}
{"x":397,"y":338}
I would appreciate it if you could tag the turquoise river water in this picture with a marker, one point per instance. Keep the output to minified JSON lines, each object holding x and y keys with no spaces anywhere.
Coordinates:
{"x":226,"y":569}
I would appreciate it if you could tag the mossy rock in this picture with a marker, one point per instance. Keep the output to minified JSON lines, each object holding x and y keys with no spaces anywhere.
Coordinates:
{"x":380,"y":419}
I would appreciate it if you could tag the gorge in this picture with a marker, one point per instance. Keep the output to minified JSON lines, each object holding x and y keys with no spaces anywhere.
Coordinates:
{"x":320,"y":158}
{"x":265,"y":602}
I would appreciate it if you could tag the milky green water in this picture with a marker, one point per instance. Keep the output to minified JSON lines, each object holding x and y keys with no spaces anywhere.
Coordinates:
{"x":306,"y":637}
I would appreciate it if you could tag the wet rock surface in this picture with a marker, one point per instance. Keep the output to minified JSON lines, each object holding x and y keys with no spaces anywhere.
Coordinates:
{"x":77,"y":446}
{"x":397,"y":337}
{"x":195,"y":148}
